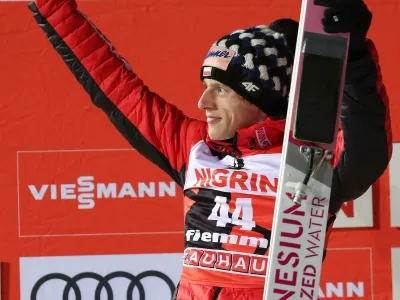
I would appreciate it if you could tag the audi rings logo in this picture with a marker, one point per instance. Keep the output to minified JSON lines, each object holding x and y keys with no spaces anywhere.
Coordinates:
{"x":103,"y":284}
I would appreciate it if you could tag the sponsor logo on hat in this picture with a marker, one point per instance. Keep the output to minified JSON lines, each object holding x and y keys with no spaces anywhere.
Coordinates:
{"x":207,"y":71}
{"x":219,"y":57}
{"x":218,"y":53}
{"x":250,"y":87}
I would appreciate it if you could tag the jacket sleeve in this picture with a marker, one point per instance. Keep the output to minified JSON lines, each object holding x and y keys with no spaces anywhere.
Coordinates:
{"x":364,"y":145}
{"x":158,"y":130}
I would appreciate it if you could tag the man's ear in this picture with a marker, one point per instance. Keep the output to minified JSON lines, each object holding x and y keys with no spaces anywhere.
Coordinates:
{"x":262,"y":116}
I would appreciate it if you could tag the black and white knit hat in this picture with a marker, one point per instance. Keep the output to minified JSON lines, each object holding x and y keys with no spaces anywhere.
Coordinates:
{"x":255,"y":62}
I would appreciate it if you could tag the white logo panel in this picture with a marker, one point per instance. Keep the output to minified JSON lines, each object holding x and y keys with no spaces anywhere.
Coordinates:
{"x":255,"y":175}
{"x":152,"y":275}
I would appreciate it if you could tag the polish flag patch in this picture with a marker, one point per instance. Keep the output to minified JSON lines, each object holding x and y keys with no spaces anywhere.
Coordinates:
{"x":207,"y":71}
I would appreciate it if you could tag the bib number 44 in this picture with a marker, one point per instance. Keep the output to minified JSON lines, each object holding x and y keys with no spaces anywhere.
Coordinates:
{"x":241,"y":216}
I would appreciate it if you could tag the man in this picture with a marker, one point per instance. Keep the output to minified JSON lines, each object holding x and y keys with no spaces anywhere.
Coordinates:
{"x":228,"y":166}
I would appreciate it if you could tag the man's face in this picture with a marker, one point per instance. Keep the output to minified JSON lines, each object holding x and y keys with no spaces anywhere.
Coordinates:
{"x":226,"y":111}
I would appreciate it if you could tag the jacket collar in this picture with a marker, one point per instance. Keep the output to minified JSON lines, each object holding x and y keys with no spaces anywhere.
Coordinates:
{"x":259,"y":136}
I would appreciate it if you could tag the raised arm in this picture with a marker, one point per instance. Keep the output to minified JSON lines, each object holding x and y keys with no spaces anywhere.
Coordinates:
{"x":364,"y":145}
{"x":158,"y":130}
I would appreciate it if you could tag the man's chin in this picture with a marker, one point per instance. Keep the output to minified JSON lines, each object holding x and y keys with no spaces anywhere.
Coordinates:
{"x":218,"y":135}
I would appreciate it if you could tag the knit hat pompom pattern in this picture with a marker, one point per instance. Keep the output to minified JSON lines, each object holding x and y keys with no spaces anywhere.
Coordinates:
{"x":262,"y":56}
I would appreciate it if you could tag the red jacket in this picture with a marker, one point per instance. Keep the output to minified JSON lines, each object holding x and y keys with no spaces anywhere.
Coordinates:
{"x":229,"y":187}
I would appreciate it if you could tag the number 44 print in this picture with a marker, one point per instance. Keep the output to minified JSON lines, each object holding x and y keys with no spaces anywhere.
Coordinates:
{"x":244,"y":208}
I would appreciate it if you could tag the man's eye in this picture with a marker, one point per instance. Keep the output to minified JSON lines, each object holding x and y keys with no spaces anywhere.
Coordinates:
{"x":221,"y":90}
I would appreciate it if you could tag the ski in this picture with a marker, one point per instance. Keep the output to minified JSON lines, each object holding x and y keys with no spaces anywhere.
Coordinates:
{"x":302,"y":202}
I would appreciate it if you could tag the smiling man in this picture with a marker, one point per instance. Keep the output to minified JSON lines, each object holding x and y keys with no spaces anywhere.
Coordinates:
{"x":226,"y":111}
{"x":228,"y":167}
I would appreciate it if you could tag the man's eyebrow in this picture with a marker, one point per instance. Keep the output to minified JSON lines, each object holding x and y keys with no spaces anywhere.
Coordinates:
{"x":213,"y":84}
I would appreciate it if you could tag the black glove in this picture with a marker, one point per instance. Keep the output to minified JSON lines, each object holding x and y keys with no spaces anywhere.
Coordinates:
{"x":351,"y":16}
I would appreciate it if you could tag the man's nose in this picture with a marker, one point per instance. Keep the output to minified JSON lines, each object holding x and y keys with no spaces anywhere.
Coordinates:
{"x":206,"y":101}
